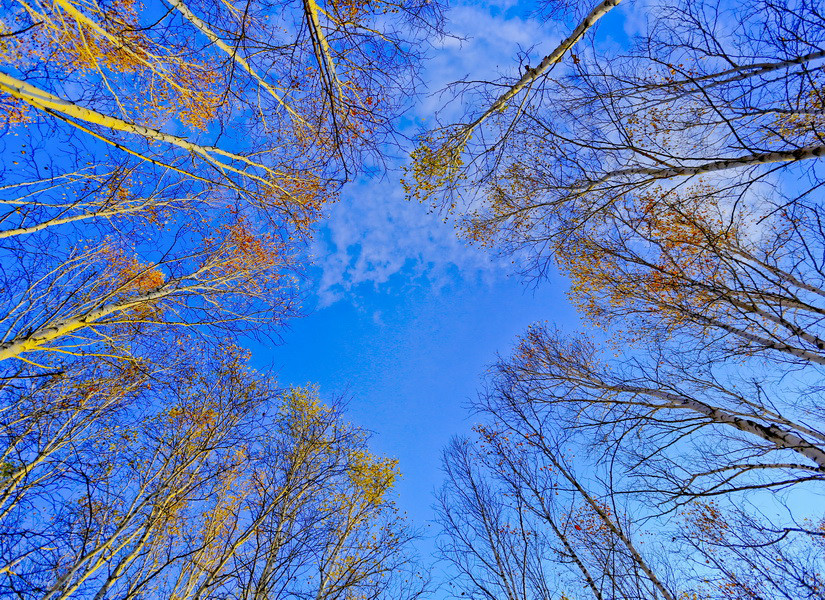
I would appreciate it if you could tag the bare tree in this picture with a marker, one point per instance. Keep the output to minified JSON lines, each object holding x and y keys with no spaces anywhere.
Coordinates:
{"x":678,"y":178}
{"x":519,"y":523}
{"x":633,"y":478}
{"x":675,"y":181}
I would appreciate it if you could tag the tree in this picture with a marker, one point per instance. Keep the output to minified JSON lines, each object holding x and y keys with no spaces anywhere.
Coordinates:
{"x":190,"y":149}
{"x":663,"y":168}
{"x":588,"y":474}
{"x":101,"y":298}
{"x":674,"y":181}
{"x":307,"y":83}
{"x":519,"y":523}
{"x":163,"y":166}
{"x":191,"y":479}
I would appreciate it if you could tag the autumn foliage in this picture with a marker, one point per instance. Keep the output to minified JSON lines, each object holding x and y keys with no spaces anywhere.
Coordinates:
{"x":163,"y":170}
{"x":182,"y":470}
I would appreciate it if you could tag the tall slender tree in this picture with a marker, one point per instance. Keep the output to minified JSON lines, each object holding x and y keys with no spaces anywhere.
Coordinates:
{"x":675,"y":180}
{"x":181,"y":153}
{"x":191,"y":479}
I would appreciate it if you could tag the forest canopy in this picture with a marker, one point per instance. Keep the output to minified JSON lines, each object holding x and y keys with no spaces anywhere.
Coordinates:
{"x":165,"y":167}
{"x":676,"y":449}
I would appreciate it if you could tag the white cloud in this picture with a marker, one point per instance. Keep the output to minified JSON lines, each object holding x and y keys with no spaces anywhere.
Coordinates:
{"x":374,"y":233}
{"x":484,"y":47}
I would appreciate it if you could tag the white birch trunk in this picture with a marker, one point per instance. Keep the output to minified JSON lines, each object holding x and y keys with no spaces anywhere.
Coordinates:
{"x":780,"y":438}
{"x":546,"y":63}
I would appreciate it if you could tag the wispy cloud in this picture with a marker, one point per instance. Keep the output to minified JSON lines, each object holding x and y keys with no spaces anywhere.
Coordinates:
{"x":485,"y":43}
{"x":374,"y":233}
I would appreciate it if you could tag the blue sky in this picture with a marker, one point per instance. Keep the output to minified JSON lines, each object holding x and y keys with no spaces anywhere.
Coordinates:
{"x":407,"y":354}
{"x":404,"y":318}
